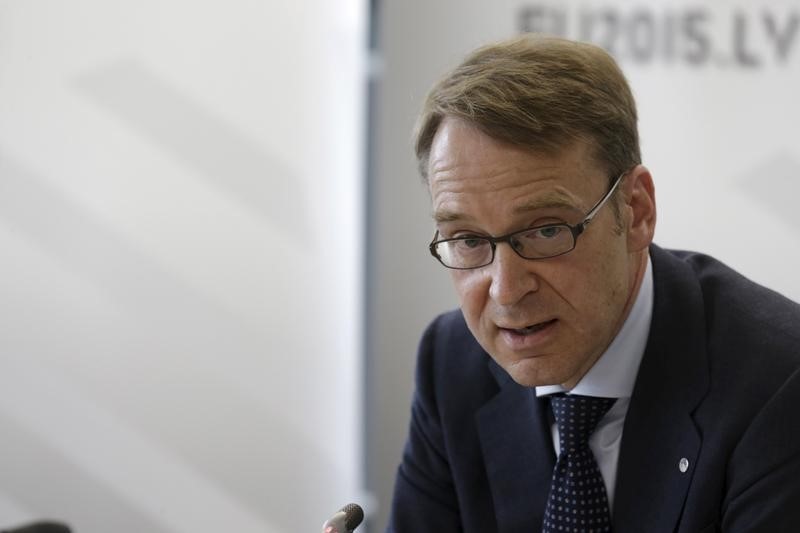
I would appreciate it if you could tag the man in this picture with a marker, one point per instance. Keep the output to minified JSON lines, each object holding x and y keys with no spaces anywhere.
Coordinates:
{"x":685,"y":374}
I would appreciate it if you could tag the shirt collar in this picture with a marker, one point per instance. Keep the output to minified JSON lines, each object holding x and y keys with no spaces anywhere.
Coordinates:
{"x":614,"y":374}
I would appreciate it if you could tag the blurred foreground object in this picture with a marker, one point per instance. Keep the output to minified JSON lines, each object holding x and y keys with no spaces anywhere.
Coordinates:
{"x":40,"y":527}
{"x":345,"y":520}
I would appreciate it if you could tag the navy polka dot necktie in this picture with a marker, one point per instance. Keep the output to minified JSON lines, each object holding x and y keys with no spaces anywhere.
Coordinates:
{"x":577,"y":501}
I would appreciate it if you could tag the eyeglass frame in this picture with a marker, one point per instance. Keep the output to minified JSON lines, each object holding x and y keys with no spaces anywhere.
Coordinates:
{"x":576,"y":230}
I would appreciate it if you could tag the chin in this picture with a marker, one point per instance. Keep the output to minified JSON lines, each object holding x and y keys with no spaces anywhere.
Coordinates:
{"x":527,"y":381}
{"x":536,"y":371}
{"x":526,"y":376}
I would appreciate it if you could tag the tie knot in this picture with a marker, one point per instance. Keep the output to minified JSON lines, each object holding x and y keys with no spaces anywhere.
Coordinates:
{"x":577,"y":416}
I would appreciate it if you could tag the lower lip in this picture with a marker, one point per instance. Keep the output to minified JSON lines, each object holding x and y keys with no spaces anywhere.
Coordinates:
{"x":520,"y":341}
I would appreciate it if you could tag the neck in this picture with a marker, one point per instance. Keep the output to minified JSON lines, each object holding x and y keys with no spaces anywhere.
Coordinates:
{"x":639,"y":265}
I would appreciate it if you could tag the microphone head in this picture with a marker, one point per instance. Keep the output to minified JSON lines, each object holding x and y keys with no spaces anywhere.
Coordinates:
{"x":353,"y":515}
{"x":40,"y":527}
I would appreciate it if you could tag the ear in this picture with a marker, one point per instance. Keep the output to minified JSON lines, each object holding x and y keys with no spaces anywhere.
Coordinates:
{"x":640,"y":208}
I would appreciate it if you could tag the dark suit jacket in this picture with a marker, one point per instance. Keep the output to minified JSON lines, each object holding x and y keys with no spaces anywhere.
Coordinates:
{"x":719,"y":385}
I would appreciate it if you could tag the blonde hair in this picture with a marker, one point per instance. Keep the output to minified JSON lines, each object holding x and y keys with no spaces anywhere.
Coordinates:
{"x":538,"y":92}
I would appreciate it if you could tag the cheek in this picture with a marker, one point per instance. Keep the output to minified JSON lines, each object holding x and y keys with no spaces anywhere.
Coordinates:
{"x":603,"y":289}
{"x":591,"y":285}
{"x":473,"y":290}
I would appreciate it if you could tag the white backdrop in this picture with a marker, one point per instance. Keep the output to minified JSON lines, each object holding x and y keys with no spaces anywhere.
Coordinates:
{"x":180,"y":265}
{"x":717,"y":85}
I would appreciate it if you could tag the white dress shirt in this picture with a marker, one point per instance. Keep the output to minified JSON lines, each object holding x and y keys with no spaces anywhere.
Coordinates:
{"x":613,"y":376}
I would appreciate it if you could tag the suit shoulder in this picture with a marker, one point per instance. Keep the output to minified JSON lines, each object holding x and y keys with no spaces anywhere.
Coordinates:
{"x":740,"y":308}
{"x":449,"y":357}
{"x":448,"y":333}
{"x":751,"y":333}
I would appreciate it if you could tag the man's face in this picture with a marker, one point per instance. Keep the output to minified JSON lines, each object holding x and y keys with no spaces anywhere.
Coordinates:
{"x":544,"y":321}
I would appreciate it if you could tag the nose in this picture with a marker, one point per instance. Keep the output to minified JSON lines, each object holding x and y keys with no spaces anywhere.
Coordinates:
{"x":512,"y":277}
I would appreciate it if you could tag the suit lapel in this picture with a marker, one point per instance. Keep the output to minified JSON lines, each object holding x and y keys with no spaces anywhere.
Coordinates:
{"x":518,"y":453}
{"x":660,"y":441}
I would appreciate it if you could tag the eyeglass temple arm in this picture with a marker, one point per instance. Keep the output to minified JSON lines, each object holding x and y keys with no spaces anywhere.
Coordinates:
{"x":592,"y":212}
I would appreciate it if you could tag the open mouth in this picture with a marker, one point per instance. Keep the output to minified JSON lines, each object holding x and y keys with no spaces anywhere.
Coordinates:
{"x":530,"y":330}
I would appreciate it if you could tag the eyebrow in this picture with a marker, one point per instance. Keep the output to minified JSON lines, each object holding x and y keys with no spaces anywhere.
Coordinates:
{"x":551,"y":200}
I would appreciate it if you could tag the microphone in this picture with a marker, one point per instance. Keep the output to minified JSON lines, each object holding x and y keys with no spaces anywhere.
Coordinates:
{"x":345,"y":520}
{"x":39,"y":527}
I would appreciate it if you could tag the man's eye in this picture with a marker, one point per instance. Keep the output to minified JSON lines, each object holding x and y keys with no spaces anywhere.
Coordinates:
{"x":546,"y":232}
{"x":472,"y":242}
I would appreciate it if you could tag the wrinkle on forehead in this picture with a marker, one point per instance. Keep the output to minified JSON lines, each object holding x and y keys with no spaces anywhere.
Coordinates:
{"x":467,"y":175}
{"x":468,"y":168}
{"x":553,"y":199}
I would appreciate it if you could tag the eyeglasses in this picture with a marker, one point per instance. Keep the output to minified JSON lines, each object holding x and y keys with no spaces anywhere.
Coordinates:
{"x":539,"y":242}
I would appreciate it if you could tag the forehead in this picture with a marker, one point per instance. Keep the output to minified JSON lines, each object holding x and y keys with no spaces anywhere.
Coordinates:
{"x":469,"y":169}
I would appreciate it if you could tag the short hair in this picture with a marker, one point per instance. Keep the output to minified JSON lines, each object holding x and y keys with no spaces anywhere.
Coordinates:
{"x":541,"y":93}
